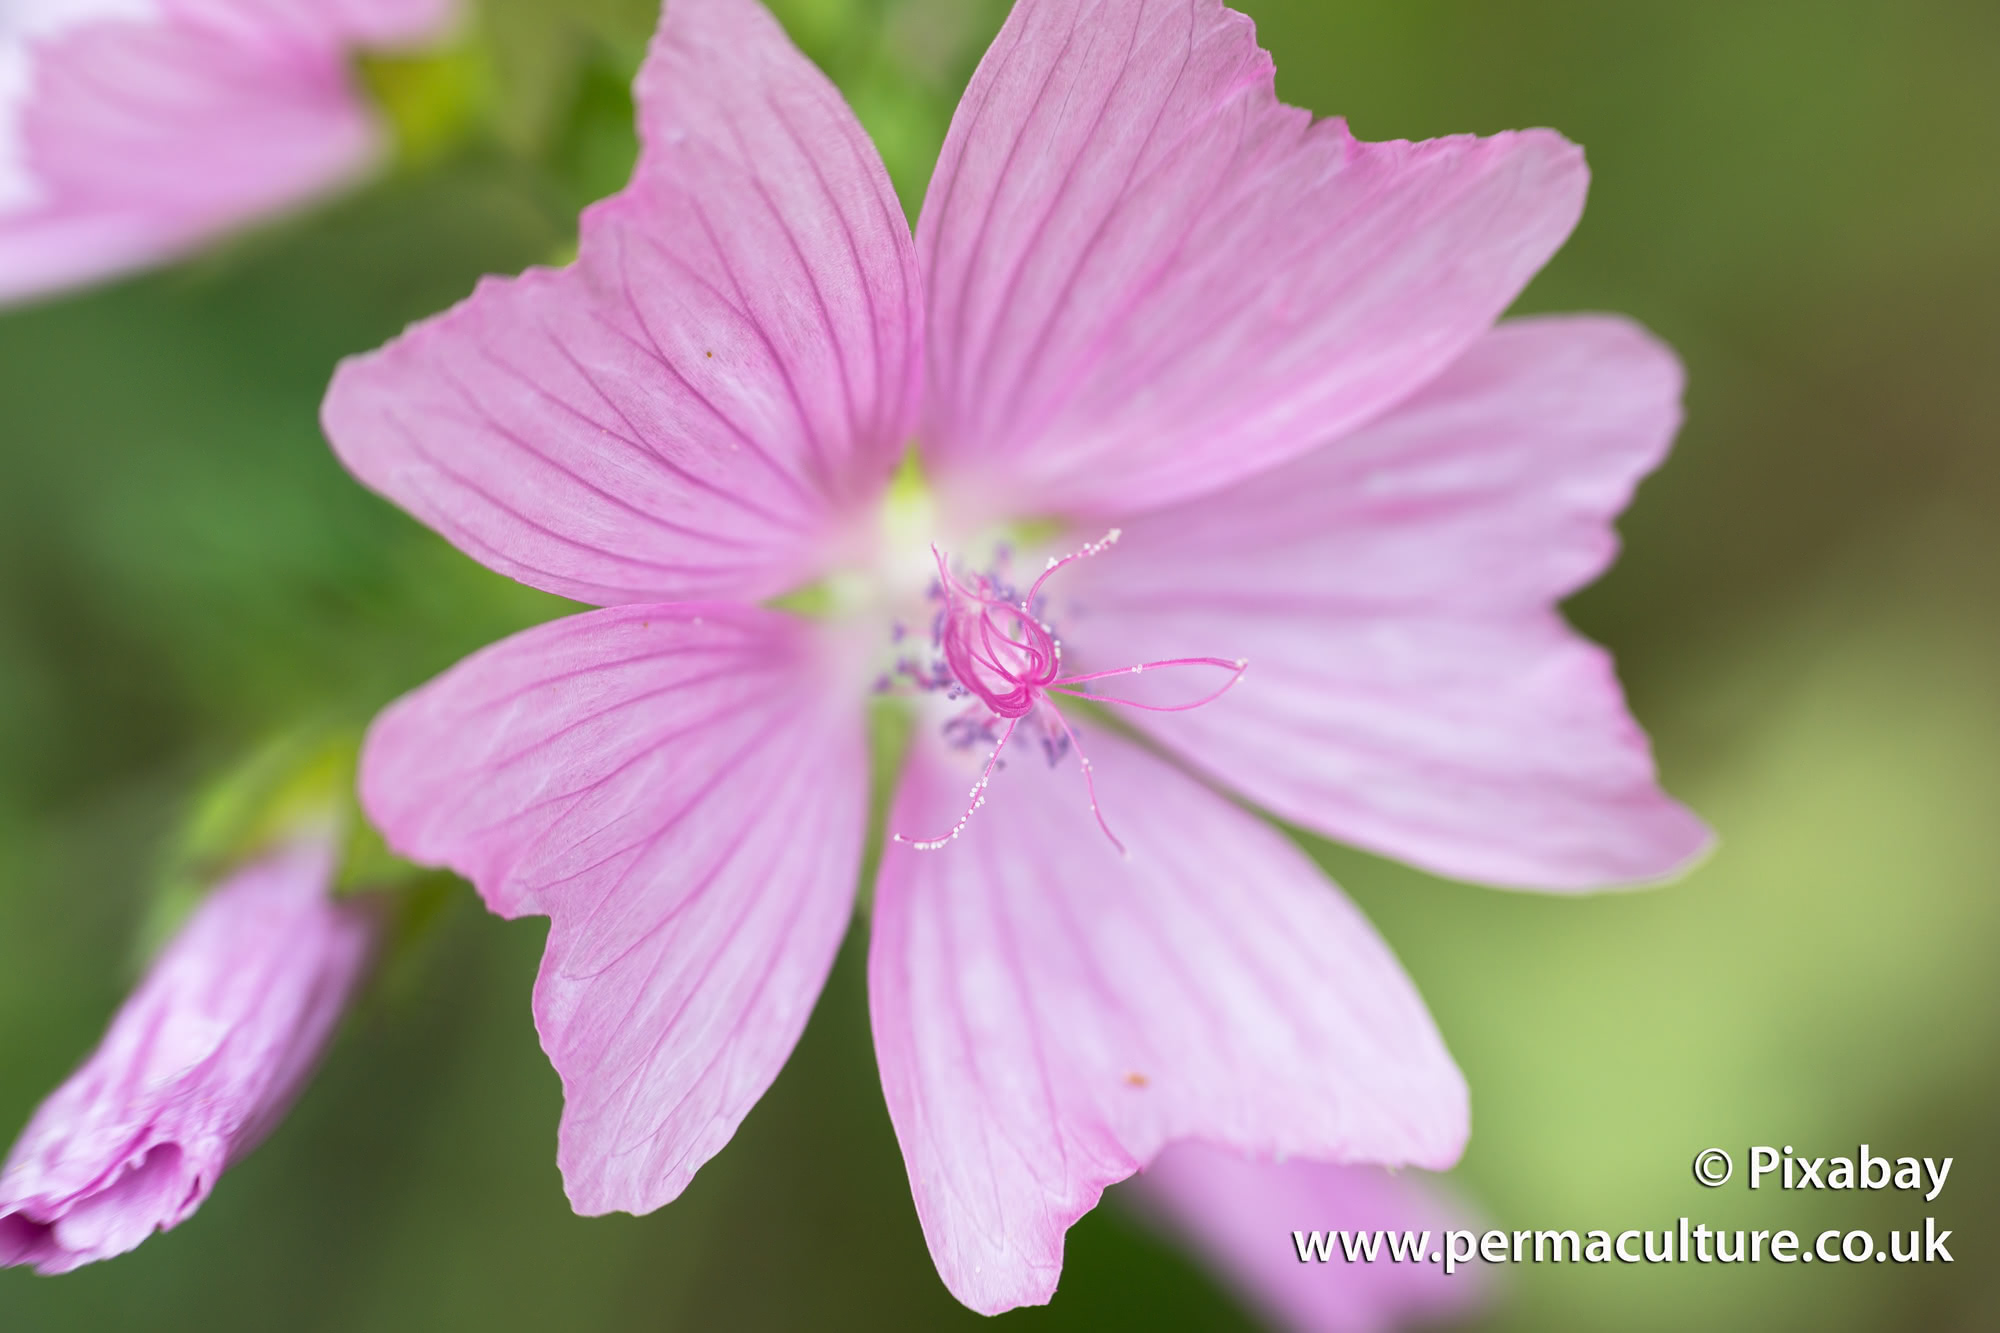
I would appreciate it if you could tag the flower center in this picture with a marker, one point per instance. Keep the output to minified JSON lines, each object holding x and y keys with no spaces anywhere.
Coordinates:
{"x":990,"y":646}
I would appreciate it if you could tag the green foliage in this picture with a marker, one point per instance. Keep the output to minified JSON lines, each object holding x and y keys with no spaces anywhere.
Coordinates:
{"x":299,"y":784}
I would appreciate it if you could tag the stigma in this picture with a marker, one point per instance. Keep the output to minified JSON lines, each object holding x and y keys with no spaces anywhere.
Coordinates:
{"x":992,"y":650}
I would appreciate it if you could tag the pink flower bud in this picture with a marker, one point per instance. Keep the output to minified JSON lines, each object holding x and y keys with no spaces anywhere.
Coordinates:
{"x":197,"y":1067}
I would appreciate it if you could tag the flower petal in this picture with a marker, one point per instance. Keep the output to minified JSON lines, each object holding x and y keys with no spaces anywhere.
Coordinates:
{"x":1240,"y":1216}
{"x":1048,"y":1015}
{"x":131,"y":132}
{"x":1411,"y":688}
{"x":702,"y":403}
{"x":1148,"y":278}
{"x":682,"y":790}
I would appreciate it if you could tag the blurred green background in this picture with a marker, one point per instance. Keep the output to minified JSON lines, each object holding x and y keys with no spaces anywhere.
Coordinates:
{"x":1804,"y":199}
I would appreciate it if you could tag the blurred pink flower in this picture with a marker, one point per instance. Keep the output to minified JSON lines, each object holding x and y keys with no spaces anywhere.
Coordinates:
{"x":1142,"y":292}
{"x":132,"y":131}
{"x":1240,"y":1215}
{"x":198,"y":1066}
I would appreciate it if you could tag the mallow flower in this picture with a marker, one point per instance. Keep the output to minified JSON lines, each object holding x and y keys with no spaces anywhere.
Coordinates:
{"x":132,"y":131}
{"x":1224,"y":480}
{"x":1240,"y":1216}
{"x":199,"y":1065}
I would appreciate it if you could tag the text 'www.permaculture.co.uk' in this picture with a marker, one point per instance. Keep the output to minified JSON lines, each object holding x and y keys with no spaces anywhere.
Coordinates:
{"x":1686,"y":1242}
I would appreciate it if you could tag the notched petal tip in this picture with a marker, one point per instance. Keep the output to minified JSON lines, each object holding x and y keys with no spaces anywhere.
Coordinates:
{"x":682,"y":790}
{"x":1440,"y":710}
{"x":1148,"y":278}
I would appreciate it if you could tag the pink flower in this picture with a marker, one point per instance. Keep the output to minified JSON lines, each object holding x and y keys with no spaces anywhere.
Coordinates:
{"x":201,"y":1063}
{"x":1240,"y":1216}
{"x":1143,"y":294}
{"x":132,"y":131}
